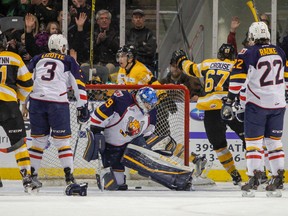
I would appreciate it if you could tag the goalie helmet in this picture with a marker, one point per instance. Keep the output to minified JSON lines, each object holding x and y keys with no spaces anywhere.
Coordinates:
{"x":258,"y":30}
{"x":226,"y":51}
{"x":146,"y":99}
{"x":58,"y":43}
{"x":128,"y":50}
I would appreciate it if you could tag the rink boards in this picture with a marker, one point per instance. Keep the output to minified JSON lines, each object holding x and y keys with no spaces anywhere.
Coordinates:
{"x":198,"y":144}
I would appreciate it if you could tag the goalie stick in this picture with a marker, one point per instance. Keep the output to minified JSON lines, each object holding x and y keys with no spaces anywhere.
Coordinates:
{"x":77,"y":140}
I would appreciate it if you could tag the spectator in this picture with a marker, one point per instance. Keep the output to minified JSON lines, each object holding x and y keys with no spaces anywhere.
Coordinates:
{"x":231,"y":39}
{"x":22,"y":50}
{"x":113,"y":7}
{"x":78,"y":7}
{"x":177,"y":76}
{"x":142,"y":39}
{"x":44,"y":10}
{"x":106,"y":41}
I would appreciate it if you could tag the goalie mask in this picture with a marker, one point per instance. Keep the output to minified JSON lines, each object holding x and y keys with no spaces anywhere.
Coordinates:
{"x":146,"y":99}
{"x":226,"y":51}
{"x":58,"y":43}
{"x":258,"y":30}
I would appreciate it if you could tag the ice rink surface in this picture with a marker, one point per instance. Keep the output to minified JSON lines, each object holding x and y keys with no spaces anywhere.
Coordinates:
{"x":222,"y":199}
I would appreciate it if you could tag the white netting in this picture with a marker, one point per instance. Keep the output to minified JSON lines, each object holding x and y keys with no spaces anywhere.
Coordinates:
{"x":171,"y":120}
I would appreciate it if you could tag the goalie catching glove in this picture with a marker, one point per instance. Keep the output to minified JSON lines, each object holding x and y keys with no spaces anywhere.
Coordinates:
{"x":83,"y":114}
{"x":227,"y":112}
{"x":178,"y":57}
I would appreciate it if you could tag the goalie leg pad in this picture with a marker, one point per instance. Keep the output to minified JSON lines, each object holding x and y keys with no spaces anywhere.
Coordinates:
{"x":161,"y":169}
{"x":95,"y":145}
{"x":110,"y":182}
{"x":76,"y":189}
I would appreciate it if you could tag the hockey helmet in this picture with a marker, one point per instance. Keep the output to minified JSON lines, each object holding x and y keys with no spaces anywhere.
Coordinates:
{"x":58,"y":43}
{"x":146,"y":98}
{"x":226,"y":51}
{"x":128,"y":50}
{"x":258,"y":30}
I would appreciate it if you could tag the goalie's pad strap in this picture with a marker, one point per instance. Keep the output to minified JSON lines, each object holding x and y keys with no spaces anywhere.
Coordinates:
{"x":95,"y":145}
{"x":161,"y":169}
{"x":110,"y":182}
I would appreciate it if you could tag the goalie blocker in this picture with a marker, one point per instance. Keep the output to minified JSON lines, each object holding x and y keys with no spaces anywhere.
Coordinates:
{"x":161,"y":169}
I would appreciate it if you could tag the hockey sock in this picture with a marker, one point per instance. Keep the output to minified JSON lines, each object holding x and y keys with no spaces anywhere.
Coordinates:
{"x":226,"y":159}
{"x":36,"y":157}
{"x":23,"y":159}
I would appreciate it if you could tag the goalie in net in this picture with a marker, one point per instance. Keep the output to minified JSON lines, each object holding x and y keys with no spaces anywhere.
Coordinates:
{"x":125,"y":123}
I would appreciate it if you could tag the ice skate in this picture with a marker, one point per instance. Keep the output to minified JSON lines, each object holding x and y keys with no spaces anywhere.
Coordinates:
{"x":69,"y":178}
{"x":28,"y":184}
{"x":248,"y":190}
{"x":275,"y":185}
{"x":200,"y":163}
{"x":236,"y":177}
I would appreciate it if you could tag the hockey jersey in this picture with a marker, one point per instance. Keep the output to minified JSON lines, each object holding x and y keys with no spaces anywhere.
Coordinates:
{"x":138,"y":74}
{"x":123,"y":119}
{"x":263,"y":70}
{"x":15,"y":79}
{"x":215,"y":74}
{"x":53,"y":75}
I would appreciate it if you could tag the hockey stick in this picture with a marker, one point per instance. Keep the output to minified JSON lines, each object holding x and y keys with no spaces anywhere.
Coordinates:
{"x":77,"y":140}
{"x":13,"y":147}
{"x":93,"y":4}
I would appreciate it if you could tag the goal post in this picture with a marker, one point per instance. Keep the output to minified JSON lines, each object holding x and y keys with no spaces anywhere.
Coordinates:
{"x":172,"y":118}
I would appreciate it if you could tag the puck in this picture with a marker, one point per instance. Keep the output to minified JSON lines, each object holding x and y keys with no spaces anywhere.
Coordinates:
{"x":138,"y":187}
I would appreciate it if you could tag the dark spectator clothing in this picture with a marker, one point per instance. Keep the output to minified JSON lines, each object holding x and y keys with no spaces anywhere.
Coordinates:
{"x":31,"y":47}
{"x":145,"y":43}
{"x":284,"y":45}
{"x":105,"y":52}
{"x":192,"y":83}
{"x":45,"y":14}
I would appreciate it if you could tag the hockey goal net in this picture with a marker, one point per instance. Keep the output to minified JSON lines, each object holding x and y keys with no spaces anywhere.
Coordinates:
{"x":172,"y":119}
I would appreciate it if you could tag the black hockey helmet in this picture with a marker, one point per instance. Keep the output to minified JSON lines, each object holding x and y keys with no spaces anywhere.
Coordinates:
{"x":226,"y":51}
{"x":129,"y":50}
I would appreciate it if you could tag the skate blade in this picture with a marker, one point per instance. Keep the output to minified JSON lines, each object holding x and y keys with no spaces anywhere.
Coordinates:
{"x":31,"y":191}
{"x":262,"y":188}
{"x":276,"y":193}
{"x":250,"y":193}
{"x":206,"y":170}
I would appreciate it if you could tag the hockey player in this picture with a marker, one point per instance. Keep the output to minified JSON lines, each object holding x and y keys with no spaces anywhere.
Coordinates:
{"x":133,"y":72}
{"x":49,"y":113}
{"x":215,"y":73}
{"x":123,"y":119}
{"x":15,"y":85}
{"x":264,"y":66}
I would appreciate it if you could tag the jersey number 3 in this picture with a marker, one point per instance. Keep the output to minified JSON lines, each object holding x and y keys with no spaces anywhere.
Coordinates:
{"x":50,"y":71}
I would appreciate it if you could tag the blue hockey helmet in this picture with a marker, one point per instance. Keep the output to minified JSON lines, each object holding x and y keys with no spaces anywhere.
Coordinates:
{"x":146,"y":98}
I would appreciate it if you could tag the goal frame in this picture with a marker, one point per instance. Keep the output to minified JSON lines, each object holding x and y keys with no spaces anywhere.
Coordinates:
{"x":162,"y":87}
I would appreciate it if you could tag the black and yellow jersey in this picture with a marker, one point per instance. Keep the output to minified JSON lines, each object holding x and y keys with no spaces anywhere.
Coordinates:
{"x":215,"y":74}
{"x":15,"y":79}
{"x":138,"y":74}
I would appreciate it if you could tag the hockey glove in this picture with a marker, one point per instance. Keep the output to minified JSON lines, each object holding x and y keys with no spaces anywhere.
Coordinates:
{"x":227,"y":111}
{"x":83,"y":114}
{"x":178,"y":57}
